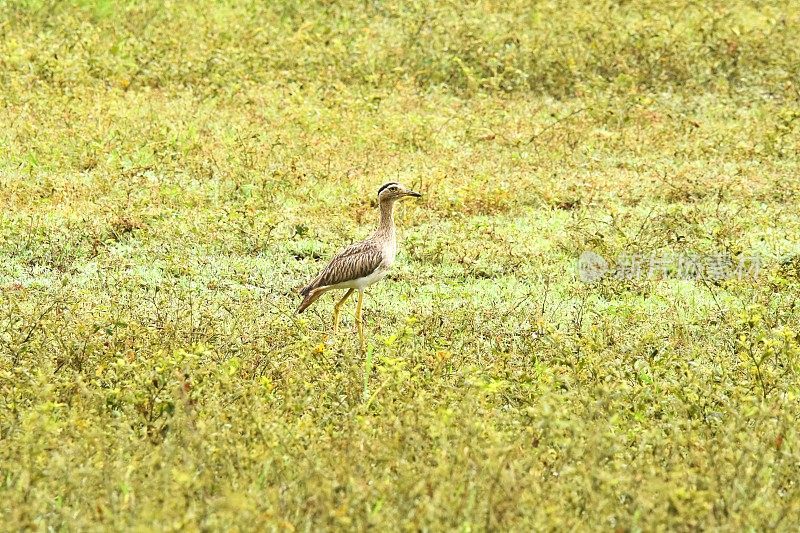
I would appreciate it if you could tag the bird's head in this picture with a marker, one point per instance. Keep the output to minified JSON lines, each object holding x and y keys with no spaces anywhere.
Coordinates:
{"x":392,"y":191}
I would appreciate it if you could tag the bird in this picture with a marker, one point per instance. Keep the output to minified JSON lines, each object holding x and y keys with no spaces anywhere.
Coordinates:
{"x":362,"y":263}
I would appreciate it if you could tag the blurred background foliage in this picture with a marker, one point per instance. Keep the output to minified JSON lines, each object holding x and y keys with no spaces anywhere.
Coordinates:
{"x":561,"y":48}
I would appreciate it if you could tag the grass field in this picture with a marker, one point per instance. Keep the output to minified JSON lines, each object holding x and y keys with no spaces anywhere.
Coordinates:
{"x":171,"y":173}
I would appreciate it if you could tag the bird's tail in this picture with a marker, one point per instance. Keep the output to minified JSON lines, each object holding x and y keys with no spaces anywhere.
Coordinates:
{"x":309,"y":298}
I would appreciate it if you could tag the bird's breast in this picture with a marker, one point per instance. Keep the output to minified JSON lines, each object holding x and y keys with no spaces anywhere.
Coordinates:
{"x":389,"y":253}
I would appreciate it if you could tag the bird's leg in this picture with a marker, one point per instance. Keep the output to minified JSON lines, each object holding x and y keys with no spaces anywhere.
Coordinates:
{"x":337,"y":308}
{"x":359,"y":318}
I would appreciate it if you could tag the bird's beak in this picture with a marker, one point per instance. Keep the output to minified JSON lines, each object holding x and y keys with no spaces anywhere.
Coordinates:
{"x":415,"y":194}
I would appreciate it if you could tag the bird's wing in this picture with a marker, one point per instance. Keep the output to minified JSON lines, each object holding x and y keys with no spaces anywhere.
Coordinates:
{"x":356,"y":261}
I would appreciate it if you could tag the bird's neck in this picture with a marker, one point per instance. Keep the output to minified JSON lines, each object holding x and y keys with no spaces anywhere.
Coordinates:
{"x":386,"y":226}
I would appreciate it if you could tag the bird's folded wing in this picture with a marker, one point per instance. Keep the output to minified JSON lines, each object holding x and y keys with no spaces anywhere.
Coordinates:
{"x":358,"y":260}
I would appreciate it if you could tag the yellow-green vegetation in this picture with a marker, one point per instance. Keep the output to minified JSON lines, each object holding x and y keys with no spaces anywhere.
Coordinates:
{"x":171,"y":173}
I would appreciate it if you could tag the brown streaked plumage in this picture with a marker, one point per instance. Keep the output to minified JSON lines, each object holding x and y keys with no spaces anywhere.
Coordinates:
{"x":358,"y":260}
{"x":363,"y":263}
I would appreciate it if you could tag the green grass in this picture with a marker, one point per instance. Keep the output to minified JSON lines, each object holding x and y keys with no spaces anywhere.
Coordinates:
{"x":171,"y":173}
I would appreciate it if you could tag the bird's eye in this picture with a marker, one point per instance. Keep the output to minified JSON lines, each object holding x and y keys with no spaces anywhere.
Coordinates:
{"x":393,"y":188}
